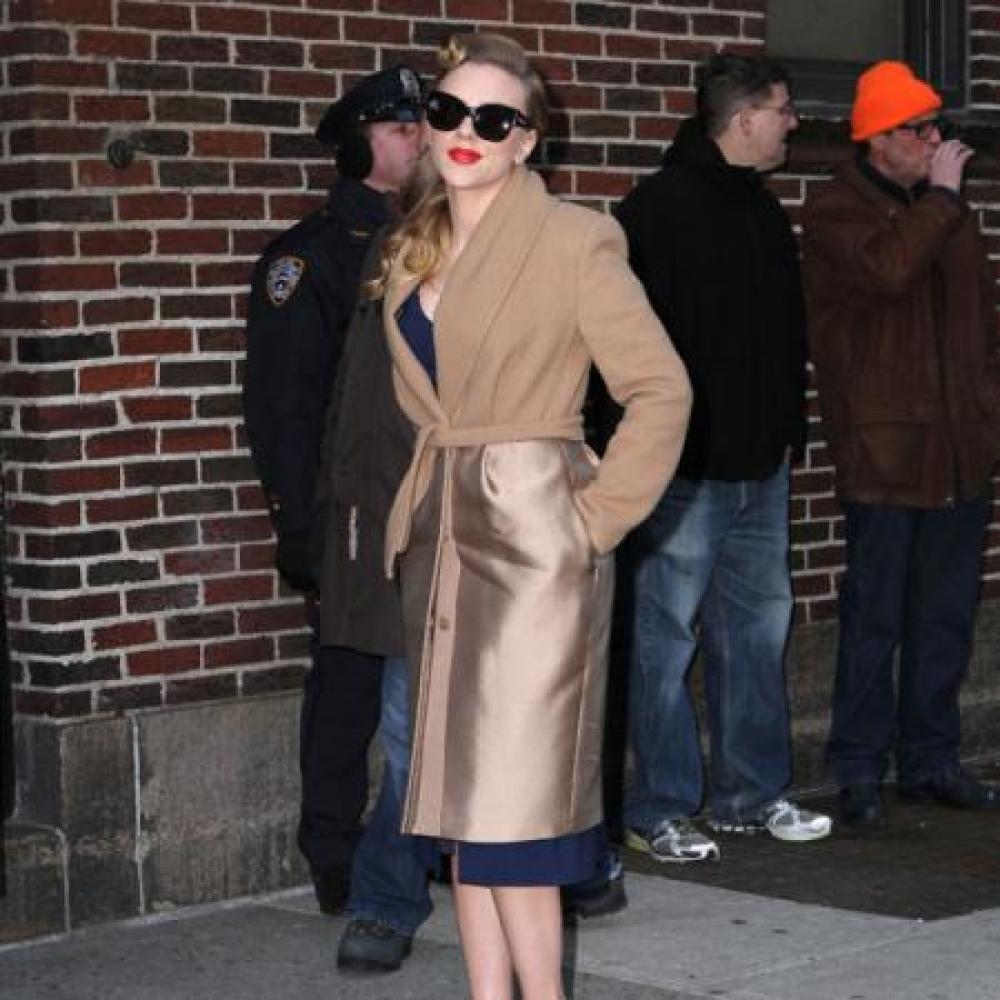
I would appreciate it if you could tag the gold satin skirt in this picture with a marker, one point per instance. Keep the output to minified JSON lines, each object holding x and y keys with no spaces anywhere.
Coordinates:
{"x":507,"y":609}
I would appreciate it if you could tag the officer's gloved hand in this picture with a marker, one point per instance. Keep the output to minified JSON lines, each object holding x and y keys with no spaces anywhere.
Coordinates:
{"x":293,"y":558}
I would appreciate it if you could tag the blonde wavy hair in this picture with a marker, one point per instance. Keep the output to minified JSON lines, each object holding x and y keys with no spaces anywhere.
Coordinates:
{"x":423,"y":233}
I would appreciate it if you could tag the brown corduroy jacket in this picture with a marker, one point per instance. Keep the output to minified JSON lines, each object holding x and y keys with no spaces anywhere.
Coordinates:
{"x":903,"y":334}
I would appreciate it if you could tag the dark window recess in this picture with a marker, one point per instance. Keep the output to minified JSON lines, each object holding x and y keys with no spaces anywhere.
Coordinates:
{"x":826,"y":44}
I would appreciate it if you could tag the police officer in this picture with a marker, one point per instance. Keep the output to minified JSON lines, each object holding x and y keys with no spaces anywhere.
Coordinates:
{"x":303,"y":293}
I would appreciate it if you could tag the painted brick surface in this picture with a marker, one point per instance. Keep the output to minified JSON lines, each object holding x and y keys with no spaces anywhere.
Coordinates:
{"x":140,"y":552}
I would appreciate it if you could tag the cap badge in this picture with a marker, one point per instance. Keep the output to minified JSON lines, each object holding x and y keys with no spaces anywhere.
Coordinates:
{"x":410,"y":83}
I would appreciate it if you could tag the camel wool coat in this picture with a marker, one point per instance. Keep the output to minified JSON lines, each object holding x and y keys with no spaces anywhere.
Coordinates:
{"x":505,"y":521}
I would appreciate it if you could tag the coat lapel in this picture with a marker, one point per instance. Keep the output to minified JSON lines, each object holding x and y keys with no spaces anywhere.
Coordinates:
{"x":482,"y":279}
{"x":479,"y":283}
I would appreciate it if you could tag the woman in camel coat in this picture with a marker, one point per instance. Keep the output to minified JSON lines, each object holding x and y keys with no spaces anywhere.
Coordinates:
{"x":497,"y":298}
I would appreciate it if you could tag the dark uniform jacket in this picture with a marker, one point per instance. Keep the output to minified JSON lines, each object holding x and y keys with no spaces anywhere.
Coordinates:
{"x":305,"y":286}
{"x":903,"y":334}
{"x":366,"y":450}
{"x":716,"y":254}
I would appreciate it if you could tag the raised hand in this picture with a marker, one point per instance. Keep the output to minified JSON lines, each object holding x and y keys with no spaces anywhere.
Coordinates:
{"x":948,"y":164}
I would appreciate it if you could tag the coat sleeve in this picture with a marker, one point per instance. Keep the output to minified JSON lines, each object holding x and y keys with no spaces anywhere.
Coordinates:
{"x":292,"y":351}
{"x":877,"y":255}
{"x":643,"y":374}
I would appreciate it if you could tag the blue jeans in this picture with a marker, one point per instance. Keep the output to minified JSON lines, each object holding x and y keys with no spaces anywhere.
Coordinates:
{"x":389,"y":876}
{"x":912,"y":584}
{"x":716,"y":552}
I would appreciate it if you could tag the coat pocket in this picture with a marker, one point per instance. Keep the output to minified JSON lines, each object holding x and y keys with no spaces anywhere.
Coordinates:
{"x":581,"y":464}
{"x":338,"y":532}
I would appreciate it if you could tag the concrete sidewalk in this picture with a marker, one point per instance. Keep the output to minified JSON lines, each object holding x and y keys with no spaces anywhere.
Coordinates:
{"x":677,"y":940}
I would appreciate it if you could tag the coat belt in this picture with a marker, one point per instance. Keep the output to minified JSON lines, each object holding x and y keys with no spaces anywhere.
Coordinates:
{"x":434,"y":437}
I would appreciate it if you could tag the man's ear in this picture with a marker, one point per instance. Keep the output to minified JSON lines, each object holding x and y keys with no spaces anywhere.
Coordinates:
{"x":877,"y":142}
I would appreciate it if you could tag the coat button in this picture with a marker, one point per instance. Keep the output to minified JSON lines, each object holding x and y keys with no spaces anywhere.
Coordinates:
{"x":444,"y":624}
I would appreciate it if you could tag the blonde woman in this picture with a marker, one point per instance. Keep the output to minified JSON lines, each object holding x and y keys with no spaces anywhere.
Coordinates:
{"x":496,"y":299}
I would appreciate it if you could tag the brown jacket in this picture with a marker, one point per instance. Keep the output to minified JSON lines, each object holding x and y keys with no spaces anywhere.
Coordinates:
{"x":504,"y":521}
{"x":903,"y":334}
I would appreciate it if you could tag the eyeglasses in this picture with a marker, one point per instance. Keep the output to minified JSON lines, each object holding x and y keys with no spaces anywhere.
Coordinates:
{"x":492,"y":122}
{"x":923,"y":130}
{"x":786,"y":110}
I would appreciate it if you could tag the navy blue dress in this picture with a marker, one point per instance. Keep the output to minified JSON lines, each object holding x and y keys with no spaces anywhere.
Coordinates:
{"x":575,"y":857}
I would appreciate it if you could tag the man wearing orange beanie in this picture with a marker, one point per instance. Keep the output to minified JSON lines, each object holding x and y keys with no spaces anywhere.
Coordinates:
{"x":903,"y":332}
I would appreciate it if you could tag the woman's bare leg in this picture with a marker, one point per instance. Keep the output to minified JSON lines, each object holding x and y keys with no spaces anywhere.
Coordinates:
{"x":531,"y":917}
{"x":484,"y":945}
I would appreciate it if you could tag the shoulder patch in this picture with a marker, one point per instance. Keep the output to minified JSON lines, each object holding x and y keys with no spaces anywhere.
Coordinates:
{"x":283,"y":278}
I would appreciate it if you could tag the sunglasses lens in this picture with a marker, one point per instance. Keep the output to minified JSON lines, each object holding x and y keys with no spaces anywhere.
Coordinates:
{"x":494,"y":122}
{"x":444,"y":112}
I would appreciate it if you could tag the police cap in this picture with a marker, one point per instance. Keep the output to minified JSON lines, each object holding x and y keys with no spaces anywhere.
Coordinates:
{"x":392,"y":95}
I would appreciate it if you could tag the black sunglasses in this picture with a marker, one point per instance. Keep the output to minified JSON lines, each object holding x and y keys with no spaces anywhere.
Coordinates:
{"x":922,"y":130}
{"x":492,"y":122}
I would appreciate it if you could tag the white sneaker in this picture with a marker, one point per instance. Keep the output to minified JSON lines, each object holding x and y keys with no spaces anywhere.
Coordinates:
{"x":782,"y":819}
{"x":675,"y":840}
{"x":787,"y":821}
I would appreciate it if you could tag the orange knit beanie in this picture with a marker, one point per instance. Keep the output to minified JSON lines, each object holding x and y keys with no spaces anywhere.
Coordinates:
{"x":889,"y":94}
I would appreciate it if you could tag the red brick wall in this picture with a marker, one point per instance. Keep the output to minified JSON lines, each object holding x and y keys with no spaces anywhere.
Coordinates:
{"x":140,"y":554}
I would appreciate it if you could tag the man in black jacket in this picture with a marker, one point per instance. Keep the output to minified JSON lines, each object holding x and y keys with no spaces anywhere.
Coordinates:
{"x":304,"y":291}
{"x":717,"y":257}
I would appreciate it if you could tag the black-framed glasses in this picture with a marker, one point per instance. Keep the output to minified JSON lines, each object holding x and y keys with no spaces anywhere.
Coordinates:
{"x":492,"y":122}
{"x":786,"y":110}
{"x":923,"y":130}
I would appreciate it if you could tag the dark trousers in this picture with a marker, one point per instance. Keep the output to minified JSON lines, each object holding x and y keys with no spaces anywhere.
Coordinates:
{"x":340,"y":712}
{"x":912,"y":584}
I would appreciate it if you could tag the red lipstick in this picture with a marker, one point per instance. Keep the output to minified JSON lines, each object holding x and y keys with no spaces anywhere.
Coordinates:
{"x":464,"y":157}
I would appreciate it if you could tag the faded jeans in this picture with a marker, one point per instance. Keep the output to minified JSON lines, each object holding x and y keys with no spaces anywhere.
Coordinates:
{"x":389,"y":876}
{"x":712,"y":553}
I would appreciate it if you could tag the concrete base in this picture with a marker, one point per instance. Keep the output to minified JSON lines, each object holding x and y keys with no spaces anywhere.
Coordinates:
{"x":35,"y":903}
{"x":137,"y":814}
{"x":122,"y":816}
